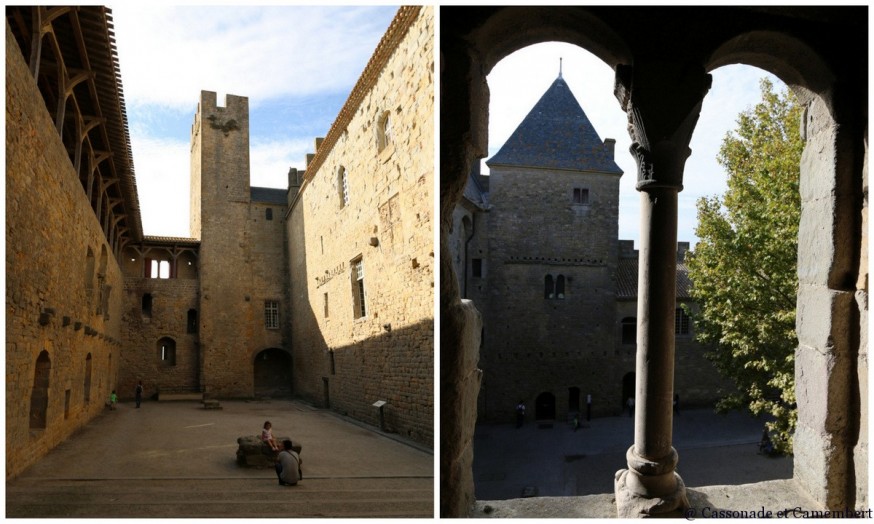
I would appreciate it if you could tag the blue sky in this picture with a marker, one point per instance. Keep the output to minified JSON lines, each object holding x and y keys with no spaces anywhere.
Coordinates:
{"x":292,"y":62}
{"x":520,"y":79}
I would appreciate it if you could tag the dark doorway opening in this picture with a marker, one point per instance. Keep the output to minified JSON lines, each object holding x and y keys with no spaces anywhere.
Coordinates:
{"x":573,"y":400}
{"x":272,"y":373}
{"x":544,"y":408}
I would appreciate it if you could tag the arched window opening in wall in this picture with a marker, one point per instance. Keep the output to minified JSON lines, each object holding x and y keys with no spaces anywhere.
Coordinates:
{"x":191,"y":324}
{"x":272,"y":369}
{"x":268,"y":213}
{"x":548,"y":287}
{"x":166,"y":351}
{"x":559,"y":287}
{"x":841,"y":239}
{"x":87,"y":385}
{"x":39,"y":395}
{"x":384,"y":131}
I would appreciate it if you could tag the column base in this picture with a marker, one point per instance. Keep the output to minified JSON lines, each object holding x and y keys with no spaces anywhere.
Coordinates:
{"x":634,"y":500}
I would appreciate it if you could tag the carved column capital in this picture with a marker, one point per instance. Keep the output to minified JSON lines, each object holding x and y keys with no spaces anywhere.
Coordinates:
{"x":662,"y":100}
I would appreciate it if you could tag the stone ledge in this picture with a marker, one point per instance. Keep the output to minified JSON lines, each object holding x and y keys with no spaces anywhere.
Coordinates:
{"x":773,"y":495}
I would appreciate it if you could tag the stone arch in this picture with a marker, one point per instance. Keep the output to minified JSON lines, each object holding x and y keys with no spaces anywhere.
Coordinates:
{"x":39,"y":395}
{"x":829,"y":263}
{"x":832,"y":298}
{"x":272,"y":373}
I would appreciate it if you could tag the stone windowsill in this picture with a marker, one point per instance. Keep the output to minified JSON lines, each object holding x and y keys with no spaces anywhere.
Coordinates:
{"x":773,"y":495}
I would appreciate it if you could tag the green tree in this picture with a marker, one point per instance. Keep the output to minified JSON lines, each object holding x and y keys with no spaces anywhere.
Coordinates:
{"x":744,"y":267}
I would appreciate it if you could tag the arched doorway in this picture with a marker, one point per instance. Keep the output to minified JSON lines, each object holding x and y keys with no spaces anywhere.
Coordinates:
{"x":39,"y":395}
{"x":544,"y":406}
{"x":272,"y":368}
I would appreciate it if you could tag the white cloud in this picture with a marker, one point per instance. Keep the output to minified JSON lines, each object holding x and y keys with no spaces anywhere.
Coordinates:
{"x":270,"y":160}
{"x":169,"y":54}
{"x":163,"y":184}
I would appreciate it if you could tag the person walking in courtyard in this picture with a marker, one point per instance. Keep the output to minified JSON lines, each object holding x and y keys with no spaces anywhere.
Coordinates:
{"x":520,"y":413}
{"x":630,"y":405}
{"x":288,"y":465}
{"x":113,"y":400}
{"x":267,"y":436}
{"x":139,"y":393}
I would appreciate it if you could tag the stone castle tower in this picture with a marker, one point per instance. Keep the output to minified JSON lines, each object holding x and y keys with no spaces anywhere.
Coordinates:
{"x":241,"y":268}
{"x":535,"y":247}
{"x":553,"y":225}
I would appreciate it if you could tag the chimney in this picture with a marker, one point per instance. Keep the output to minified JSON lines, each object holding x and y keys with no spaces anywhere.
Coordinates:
{"x":682,"y":249}
{"x":610,"y":144}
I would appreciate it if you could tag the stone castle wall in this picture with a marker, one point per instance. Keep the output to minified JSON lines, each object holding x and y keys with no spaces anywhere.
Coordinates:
{"x":386,"y":353}
{"x":57,"y":262}
{"x":141,"y":359}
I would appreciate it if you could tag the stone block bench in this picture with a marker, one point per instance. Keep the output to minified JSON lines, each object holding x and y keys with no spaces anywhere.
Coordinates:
{"x":253,"y":453}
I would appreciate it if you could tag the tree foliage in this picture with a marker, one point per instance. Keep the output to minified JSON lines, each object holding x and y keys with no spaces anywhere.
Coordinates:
{"x":744,"y":267}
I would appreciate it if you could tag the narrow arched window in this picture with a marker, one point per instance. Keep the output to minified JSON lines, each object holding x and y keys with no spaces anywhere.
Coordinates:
{"x":548,"y":287}
{"x":383,"y":131}
{"x":559,"y":287}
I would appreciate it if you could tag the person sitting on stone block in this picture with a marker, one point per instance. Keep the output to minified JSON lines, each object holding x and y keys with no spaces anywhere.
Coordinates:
{"x":267,"y":436}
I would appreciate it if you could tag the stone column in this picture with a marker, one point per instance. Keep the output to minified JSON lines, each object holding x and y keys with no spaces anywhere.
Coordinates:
{"x":662,"y":101}
{"x":463,"y":138}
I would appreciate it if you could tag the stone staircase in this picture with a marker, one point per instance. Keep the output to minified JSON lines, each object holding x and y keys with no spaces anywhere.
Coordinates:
{"x":220,"y":498}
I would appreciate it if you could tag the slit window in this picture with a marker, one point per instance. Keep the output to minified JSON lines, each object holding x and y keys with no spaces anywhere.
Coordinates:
{"x":477,"y":267}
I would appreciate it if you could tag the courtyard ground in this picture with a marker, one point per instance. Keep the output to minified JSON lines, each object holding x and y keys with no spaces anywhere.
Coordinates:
{"x":553,"y":460}
{"x":176,"y":459}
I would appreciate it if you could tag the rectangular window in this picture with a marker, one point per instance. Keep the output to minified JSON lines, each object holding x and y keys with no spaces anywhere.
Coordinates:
{"x":477,"y":267}
{"x":358,"y":297}
{"x":271,"y":314}
{"x":581,"y":196}
{"x":326,"y":305}
{"x":269,"y":213}
{"x":681,"y":322}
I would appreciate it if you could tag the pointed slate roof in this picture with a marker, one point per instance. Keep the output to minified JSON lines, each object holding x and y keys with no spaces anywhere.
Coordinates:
{"x":556,"y":134}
